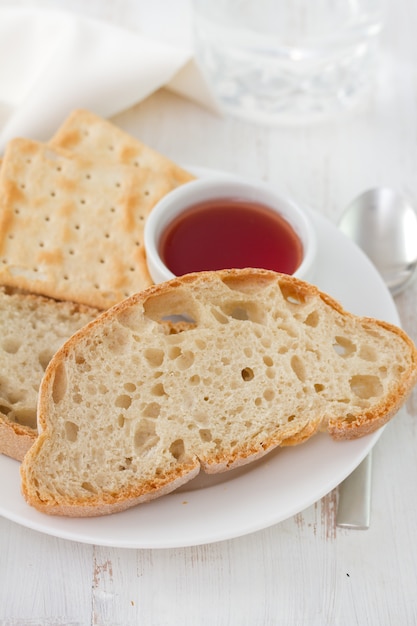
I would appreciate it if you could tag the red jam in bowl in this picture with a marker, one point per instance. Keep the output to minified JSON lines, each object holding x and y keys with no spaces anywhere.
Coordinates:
{"x":231,"y":233}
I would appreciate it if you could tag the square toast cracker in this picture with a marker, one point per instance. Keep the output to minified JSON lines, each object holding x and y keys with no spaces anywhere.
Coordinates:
{"x":91,"y":136}
{"x":71,"y":224}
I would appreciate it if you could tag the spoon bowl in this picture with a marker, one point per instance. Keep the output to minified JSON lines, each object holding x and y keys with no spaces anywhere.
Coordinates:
{"x":383,"y":222}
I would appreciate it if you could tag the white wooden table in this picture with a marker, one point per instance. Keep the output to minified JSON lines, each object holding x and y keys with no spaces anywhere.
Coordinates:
{"x":304,"y":571}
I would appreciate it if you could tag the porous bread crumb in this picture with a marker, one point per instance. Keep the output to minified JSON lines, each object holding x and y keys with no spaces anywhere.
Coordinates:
{"x":32,"y":329}
{"x":130,"y":411}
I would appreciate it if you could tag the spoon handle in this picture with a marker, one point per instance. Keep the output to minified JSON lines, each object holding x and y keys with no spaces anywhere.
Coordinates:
{"x":354,"y":505}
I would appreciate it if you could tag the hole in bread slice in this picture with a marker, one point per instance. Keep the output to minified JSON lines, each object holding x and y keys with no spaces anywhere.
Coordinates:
{"x":366,"y":386}
{"x":71,"y":431}
{"x":343,"y":346}
{"x":247,"y":374}
{"x":145,"y":437}
{"x":177,"y":449}
{"x":59,"y":385}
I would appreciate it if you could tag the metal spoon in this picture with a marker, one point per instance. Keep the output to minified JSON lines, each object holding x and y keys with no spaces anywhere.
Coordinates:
{"x":383,"y":222}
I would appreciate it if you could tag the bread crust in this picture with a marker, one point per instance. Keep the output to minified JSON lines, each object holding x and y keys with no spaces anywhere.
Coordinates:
{"x":108,"y":504}
{"x":15,"y":440}
{"x":143,"y":312}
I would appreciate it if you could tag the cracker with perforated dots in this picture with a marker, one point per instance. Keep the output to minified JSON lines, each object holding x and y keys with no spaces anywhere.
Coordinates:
{"x":94,"y":137}
{"x":72,"y":221}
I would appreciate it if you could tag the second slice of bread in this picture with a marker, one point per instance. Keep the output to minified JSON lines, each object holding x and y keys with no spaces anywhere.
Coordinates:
{"x":32,"y":329}
{"x":129,"y":411}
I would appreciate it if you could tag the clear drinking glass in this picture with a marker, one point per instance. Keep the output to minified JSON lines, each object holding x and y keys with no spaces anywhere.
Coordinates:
{"x":288,"y":60}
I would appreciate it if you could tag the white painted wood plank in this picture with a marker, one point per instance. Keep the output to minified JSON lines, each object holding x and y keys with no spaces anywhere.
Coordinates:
{"x":304,"y":570}
{"x":43,"y":580}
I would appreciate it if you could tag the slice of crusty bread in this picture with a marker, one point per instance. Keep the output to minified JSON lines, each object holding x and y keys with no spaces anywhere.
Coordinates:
{"x":129,"y":412}
{"x":32,"y":329}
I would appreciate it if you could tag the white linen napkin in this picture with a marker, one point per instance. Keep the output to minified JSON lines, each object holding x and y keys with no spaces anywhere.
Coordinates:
{"x":55,"y":61}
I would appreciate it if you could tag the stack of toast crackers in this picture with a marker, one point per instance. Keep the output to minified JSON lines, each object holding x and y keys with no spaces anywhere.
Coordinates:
{"x":72,"y":216}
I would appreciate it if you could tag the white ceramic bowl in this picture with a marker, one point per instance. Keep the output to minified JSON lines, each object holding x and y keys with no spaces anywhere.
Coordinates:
{"x":222,"y":187}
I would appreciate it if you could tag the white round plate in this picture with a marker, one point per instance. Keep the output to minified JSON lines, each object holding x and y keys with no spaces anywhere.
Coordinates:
{"x":288,"y":480}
